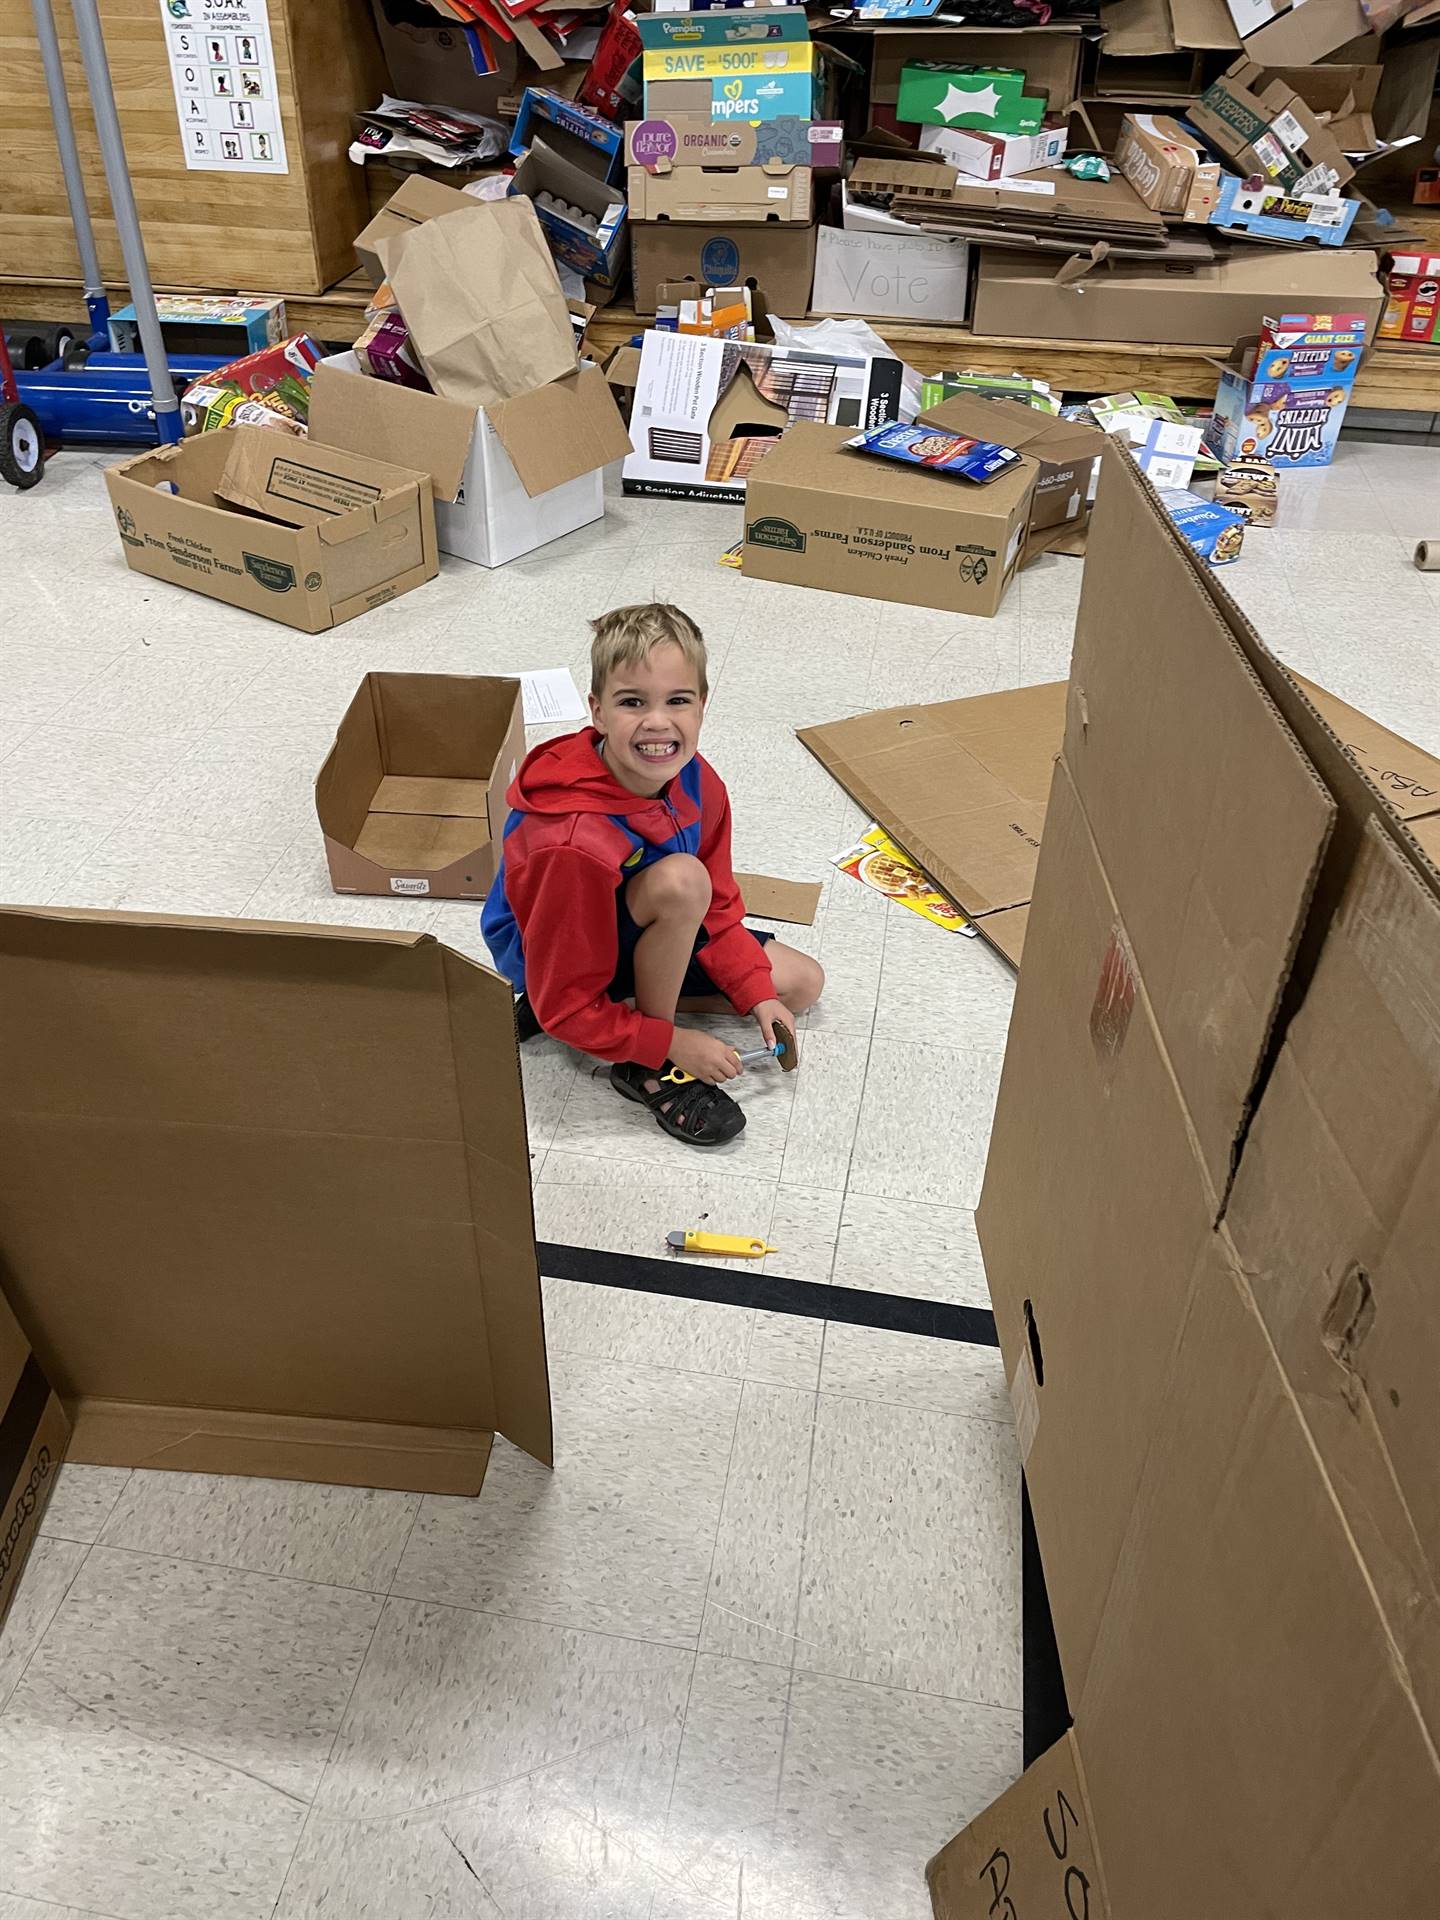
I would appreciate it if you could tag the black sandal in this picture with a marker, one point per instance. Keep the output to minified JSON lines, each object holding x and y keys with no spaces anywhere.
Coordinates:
{"x":693,"y":1111}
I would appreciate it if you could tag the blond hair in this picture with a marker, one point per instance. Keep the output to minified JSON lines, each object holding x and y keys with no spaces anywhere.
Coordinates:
{"x":627,"y":635}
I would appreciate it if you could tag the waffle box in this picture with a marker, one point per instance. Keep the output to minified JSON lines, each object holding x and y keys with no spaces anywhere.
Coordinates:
{"x":1284,"y":394}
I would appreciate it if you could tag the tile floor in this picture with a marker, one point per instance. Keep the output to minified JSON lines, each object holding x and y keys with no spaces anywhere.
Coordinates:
{"x":753,"y":1650}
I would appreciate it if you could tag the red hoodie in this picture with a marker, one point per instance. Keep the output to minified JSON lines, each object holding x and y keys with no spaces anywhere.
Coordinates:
{"x":550,"y":921}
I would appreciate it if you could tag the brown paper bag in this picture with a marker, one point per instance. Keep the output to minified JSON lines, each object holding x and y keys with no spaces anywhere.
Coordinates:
{"x":482,"y":300}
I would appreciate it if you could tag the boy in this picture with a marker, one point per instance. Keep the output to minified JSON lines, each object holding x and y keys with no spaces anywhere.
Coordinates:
{"x":615,"y":904}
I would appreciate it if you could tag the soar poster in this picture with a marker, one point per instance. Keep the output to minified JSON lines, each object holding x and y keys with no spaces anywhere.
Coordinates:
{"x":222,"y":66}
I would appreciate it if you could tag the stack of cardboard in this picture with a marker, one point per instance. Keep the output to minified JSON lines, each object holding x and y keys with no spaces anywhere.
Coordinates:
{"x":721,"y":166}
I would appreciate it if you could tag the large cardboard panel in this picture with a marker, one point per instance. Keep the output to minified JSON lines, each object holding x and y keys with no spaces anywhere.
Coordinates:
{"x":1091,"y":1214}
{"x":1336,"y":1212}
{"x":961,"y":784}
{"x":1211,"y":906}
{"x":1031,"y":1853}
{"x":1196,"y":304}
{"x":1250,"y":1745}
{"x":33,"y":1437}
{"x":269,"y":1126}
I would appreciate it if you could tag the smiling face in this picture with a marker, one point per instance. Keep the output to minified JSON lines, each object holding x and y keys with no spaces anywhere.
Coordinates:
{"x":650,"y":714}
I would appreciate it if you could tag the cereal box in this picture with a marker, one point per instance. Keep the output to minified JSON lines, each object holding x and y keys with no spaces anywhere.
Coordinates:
{"x":877,"y":862}
{"x":1283,"y":397}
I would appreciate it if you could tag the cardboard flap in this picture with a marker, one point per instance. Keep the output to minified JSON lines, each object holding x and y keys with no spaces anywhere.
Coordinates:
{"x":482,"y":299}
{"x":304,"y":483}
{"x":420,"y":430}
{"x":1033,"y":432}
{"x":793,"y":901}
{"x":561,"y":431}
{"x":961,"y":785}
{"x":1203,"y":24}
{"x":1032,"y":1852}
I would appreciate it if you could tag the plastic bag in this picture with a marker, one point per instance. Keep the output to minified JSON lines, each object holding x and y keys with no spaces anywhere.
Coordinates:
{"x":848,"y":338}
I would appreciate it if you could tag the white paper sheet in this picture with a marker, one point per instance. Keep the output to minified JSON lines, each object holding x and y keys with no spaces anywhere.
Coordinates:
{"x":549,"y":694}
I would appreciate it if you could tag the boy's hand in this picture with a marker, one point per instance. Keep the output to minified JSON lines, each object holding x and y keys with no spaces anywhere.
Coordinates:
{"x":765,"y":1013}
{"x":703,"y":1055}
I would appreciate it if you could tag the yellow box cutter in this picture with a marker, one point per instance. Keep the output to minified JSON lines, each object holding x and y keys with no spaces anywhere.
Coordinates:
{"x":731,"y":1243}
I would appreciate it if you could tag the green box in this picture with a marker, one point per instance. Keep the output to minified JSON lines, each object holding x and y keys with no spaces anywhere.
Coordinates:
{"x":933,"y":93}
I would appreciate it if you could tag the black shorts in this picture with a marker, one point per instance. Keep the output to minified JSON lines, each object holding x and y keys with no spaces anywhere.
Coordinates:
{"x":697,"y":982}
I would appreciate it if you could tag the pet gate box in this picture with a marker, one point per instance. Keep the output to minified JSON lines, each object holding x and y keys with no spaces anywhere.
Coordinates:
{"x":706,"y":411}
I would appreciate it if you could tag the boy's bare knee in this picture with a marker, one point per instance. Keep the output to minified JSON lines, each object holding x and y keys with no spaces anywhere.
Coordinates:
{"x":677,"y":884}
{"x":801,"y":983}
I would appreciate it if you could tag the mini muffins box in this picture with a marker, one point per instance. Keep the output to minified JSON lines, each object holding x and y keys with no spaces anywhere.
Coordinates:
{"x":1283,"y":398}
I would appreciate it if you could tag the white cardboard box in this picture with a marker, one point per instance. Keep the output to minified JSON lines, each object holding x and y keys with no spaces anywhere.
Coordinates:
{"x":994,"y":156}
{"x":483,"y":510}
{"x":891,"y":276}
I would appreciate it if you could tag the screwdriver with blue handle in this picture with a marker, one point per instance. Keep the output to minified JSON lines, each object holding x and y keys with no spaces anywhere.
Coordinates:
{"x":784,"y":1051}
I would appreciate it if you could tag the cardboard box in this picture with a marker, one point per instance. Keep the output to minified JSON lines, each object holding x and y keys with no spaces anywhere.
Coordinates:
{"x":265,"y":1198}
{"x":1065,"y":451}
{"x":1208,"y":1207}
{"x":206,"y":323}
{"x":1284,"y":394}
{"x":296,"y":530}
{"x":1343,"y":97}
{"x":820,"y":515}
{"x":1167,"y":166}
{"x":708,"y":412}
{"x":35,"y":1433}
{"x":1026,"y":294}
{"x":576,"y":132}
{"x":416,"y":200}
{"x":943,"y":93}
{"x":1262,"y":126}
{"x":891,"y":276}
{"x":772,"y":195}
{"x":695,"y":140}
{"x":1050,"y":57}
{"x":411,"y":797}
{"x":779,"y":261}
{"x":1412,"y":306}
{"x":507,"y":478}
{"x":752,"y":66}
{"x":1276,"y":35}
{"x":994,"y":156}
{"x":1278,"y":215}
{"x":595,"y":251}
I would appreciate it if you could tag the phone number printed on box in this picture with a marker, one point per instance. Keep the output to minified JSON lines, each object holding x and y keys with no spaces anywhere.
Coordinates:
{"x":222,"y":67}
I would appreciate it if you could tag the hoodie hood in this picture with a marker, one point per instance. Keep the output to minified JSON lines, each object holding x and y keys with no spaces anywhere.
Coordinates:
{"x":569,"y":775}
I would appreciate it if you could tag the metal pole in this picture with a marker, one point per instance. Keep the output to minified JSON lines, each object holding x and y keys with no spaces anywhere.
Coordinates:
{"x":96,"y":303}
{"x":127,"y":220}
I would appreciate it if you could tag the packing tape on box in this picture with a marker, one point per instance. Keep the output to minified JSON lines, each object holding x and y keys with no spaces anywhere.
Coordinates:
{"x":1427,"y":556}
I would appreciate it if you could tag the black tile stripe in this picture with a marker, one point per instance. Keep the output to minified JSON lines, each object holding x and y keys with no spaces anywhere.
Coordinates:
{"x":690,"y":1279}
{"x":1045,"y":1713}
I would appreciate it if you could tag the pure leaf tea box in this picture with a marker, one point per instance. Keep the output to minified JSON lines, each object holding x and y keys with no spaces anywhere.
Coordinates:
{"x":817,"y":515}
{"x":298,"y":531}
